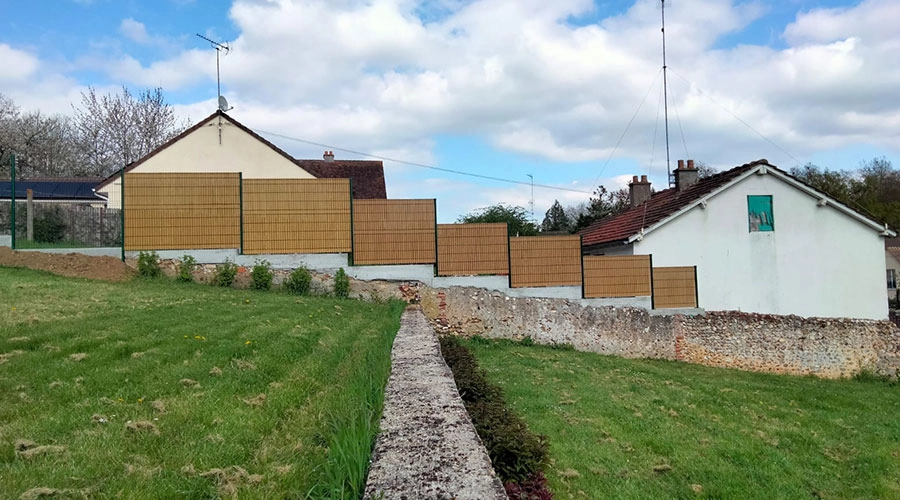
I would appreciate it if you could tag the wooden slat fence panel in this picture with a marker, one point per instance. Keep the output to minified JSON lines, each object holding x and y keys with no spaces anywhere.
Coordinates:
{"x":674,"y":287}
{"x":394,"y":232}
{"x":472,"y":249}
{"x":182,"y":211}
{"x":616,"y":276}
{"x":296,"y":216}
{"x":540,"y":261}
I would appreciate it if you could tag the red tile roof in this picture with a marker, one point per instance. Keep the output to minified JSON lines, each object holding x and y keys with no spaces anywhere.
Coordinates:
{"x":366,"y":177}
{"x":660,"y":206}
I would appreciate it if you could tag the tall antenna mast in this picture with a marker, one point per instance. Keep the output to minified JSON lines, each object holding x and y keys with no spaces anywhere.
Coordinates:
{"x":666,"y":94}
{"x":220,"y":47}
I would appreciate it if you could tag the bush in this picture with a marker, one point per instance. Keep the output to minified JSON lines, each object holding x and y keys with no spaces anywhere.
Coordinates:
{"x":225,"y":273}
{"x":517,"y":454}
{"x":186,"y":269}
{"x":299,"y":281}
{"x":262,"y":275}
{"x":148,"y":265}
{"x":49,"y":226}
{"x":534,"y":488}
{"x":341,"y":284}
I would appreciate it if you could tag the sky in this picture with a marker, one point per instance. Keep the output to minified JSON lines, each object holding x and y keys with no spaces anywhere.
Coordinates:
{"x":566,"y":94}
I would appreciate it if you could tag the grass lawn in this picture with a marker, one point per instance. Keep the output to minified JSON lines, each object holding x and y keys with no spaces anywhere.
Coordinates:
{"x":154,"y":389}
{"x":623,"y":428}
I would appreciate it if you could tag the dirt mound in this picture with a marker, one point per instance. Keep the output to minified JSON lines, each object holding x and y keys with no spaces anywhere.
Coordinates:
{"x":70,"y":264}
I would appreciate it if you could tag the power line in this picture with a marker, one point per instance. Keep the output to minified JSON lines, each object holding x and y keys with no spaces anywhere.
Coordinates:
{"x":621,"y":137}
{"x":736,"y":117}
{"x":415,"y":164}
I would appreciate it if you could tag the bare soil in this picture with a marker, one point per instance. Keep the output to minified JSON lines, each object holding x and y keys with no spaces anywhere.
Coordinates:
{"x":70,"y":264}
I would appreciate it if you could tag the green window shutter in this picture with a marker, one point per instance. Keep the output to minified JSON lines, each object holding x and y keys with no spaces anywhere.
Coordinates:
{"x":759,"y":212}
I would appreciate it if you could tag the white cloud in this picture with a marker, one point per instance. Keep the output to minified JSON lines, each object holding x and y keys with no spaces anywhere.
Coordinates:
{"x":373,"y":75}
{"x":18,"y":65}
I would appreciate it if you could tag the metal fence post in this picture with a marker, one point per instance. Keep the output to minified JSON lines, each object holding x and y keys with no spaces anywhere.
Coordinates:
{"x":352,"y":238}
{"x":122,"y":209}
{"x":241,"y":195}
{"x":12,"y":188}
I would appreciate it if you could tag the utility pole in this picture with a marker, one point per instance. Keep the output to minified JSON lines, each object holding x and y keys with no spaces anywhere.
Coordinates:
{"x":666,"y":94}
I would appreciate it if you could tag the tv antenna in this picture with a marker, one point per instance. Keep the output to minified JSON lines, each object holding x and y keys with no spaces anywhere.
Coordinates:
{"x":220,"y":47}
{"x":666,"y":94}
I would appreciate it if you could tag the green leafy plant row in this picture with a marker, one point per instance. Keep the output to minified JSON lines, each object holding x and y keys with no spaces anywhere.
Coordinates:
{"x":518,"y":455}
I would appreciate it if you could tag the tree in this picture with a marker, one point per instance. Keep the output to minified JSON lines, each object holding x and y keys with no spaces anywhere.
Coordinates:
{"x":44,"y":145}
{"x":602,"y":204}
{"x":114,"y":130}
{"x":704,"y":170}
{"x":516,"y":219}
{"x":837,"y":184}
{"x":556,"y":220}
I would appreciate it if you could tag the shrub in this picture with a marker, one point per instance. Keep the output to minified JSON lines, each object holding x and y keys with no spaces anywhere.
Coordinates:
{"x":225,"y":273}
{"x":148,"y":265}
{"x":341,"y":284}
{"x":533,"y":488}
{"x":262,"y":275}
{"x":299,"y":281}
{"x":49,"y":226}
{"x":517,"y":454}
{"x":186,"y":268}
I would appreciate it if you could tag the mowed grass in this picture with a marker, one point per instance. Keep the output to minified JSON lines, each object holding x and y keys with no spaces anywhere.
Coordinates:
{"x":259,"y":394}
{"x":623,"y":428}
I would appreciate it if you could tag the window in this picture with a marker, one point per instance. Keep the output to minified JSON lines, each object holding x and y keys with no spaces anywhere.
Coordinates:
{"x":891,"y":279}
{"x":759,"y":211}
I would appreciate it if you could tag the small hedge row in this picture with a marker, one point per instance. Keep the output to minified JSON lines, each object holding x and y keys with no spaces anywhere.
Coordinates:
{"x":517,"y":454}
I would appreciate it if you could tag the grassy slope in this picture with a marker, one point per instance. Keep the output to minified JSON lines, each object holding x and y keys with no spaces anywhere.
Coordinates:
{"x":725,"y":433}
{"x":321,"y":363}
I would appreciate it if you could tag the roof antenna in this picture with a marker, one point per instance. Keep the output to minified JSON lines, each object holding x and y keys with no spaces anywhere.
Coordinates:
{"x":670,"y":178}
{"x":223,"y":103}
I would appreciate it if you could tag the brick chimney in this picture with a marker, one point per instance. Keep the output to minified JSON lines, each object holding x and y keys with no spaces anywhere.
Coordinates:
{"x":686,"y":176}
{"x":328,"y":156}
{"x":639,"y":190}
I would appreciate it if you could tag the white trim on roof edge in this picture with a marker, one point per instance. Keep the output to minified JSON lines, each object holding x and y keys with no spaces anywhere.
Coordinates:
{"x":762,"y":170}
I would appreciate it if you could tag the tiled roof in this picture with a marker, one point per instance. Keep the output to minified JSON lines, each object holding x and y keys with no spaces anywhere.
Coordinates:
{"x":660,"y":206}
{"x":366,"y":177}
{"x":53,"y":189}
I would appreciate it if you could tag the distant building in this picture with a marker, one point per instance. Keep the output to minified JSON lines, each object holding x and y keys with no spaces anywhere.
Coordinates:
{"x":219,"y":143}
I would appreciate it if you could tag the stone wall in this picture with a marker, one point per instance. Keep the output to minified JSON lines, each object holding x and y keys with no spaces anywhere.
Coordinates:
{"x":780,"y":344}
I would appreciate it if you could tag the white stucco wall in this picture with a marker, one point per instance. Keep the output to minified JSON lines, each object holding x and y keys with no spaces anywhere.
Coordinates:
{"x":817,"y":262}
{"x":200,"y":151}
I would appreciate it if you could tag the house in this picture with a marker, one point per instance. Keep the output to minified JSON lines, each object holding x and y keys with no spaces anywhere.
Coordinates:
{"x":762,"y":242}
{"x":892,"y":265}
{"x":219,"y":143}
{"x":79,"y":191}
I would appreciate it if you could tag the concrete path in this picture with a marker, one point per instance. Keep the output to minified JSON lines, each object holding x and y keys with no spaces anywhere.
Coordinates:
{"x":428,"y":448}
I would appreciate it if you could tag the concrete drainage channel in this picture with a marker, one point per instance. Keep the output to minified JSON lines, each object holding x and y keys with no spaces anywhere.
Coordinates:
{"x":428,"y":447}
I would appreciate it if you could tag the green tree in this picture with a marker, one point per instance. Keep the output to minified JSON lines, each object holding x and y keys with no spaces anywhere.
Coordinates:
{"x":836,"y":183}
{"x":516,"y":218}
{"x":556,"y":220}
{"x":602,"y":204}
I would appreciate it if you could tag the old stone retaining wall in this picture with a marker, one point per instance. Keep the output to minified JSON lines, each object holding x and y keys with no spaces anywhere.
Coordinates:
{"x":780,"y":344}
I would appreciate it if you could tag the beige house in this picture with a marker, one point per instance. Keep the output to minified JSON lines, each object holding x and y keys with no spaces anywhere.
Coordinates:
{"x":220,"y":143}
{"x":892,"y":266}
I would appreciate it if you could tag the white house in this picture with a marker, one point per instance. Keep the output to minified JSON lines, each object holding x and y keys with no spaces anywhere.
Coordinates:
{"x":219,"y":143}
{"x":762,"y":242}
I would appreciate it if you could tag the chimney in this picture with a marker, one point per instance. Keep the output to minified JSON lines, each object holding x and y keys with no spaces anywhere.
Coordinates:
{"x":686,"y":176}
{"x":328,"y":156}
{"x":639,"y":190}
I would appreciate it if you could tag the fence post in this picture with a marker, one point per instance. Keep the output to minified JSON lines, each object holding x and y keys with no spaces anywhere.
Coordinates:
{"x":29,"y":215}
{"x":241,"y":195}
{"x":696,"y":291}
{"x":652,"y":289}
{"x":508,"y":258}
{"x":122,"y":209}
{"x":580,"y":251}
{"x":352,"y":238}
{"x":12,"y":192}
{"x":435,"y":239}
